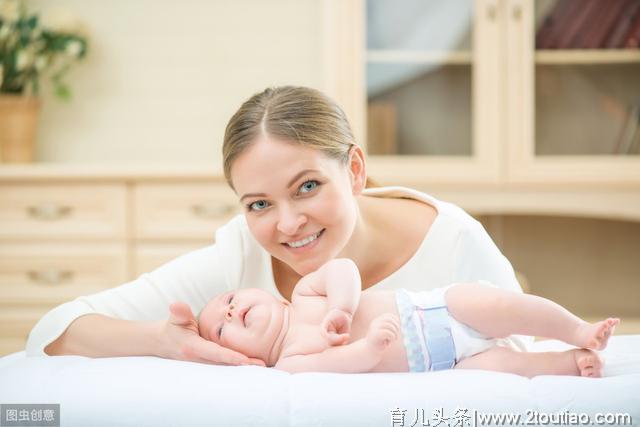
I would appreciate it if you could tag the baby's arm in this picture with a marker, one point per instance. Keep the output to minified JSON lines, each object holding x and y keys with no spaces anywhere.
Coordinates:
{"x":339,"y":282}
{"x":359,"y":356}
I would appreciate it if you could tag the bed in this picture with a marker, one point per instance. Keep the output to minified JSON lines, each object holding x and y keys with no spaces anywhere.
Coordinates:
{"x":147,"y":391}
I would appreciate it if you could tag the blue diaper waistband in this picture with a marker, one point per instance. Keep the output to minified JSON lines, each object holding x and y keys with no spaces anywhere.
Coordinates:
{"x":427,"y":335}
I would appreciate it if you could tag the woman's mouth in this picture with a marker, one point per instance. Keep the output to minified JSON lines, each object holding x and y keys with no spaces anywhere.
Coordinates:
{"x":304,"y":244}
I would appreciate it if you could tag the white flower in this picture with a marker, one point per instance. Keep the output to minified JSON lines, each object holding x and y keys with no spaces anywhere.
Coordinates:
{"x":41,"y":62}
{"x":73,"y":48}
{"x":24,"y":60}
{"x":4,"y":32}
{"x":10,"y":10}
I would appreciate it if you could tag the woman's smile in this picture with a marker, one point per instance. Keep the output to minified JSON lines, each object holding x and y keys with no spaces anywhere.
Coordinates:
{"x":305,"y":244}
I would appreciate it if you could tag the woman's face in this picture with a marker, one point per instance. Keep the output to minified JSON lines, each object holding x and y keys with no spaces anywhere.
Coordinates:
{"x":300,"y":204}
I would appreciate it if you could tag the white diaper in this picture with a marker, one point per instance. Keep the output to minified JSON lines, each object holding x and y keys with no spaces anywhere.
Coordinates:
{"x":467,"y":340}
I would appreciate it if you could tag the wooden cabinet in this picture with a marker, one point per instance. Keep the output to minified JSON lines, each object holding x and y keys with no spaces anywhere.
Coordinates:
{"x":59,"y":211}
{"x":463,"y":104}
{"x":181,"y":210}
{"x":454,"y":98}
{"x":63,"y":235}
{"x":57,"y":241}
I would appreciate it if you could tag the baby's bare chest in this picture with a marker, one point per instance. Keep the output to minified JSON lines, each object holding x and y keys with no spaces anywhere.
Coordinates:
{"x":306,"y":336}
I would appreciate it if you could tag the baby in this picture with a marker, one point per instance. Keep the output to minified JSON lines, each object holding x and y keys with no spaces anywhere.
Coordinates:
{"x":330,"y":326}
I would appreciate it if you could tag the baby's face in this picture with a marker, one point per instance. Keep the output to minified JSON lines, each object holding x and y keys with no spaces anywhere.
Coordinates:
{"x":245,"y":320}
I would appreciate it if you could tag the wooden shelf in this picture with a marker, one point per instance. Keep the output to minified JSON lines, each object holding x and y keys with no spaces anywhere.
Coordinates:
{"x":419,"y":57}
{"x":596,"y":56}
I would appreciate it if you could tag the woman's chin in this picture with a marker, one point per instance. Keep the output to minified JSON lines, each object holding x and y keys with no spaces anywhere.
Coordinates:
{"x":304,"y":268}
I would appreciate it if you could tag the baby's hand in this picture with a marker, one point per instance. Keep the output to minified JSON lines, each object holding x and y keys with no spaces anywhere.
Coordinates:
{"x":336,"y":326}
{"x":383,"y":331}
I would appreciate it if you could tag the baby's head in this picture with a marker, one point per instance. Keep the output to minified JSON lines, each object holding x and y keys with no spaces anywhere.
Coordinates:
{"x":249,"y":321}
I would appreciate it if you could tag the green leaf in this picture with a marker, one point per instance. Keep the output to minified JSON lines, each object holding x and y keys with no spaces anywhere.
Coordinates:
{"x":63,"y":92}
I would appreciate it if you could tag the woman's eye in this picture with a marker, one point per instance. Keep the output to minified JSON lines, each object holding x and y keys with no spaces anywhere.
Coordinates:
{"x":308,"y":186}
{"x":258,"y":205}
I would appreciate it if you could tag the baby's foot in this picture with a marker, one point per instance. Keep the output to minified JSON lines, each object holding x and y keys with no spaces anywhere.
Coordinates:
{"x":596,"y":335}
{"x":588,"y":362}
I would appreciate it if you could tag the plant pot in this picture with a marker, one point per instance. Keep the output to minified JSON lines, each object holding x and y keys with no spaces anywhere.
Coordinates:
{"x":18,"y":124}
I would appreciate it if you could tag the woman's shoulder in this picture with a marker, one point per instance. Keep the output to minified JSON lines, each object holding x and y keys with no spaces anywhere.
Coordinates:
{"x":247,"y":263}
{"x":453,"y":214}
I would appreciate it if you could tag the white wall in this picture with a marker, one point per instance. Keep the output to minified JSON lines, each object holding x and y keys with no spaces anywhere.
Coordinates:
{"x":163,"y":77}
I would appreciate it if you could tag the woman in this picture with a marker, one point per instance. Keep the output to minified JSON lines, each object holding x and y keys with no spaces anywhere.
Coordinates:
{"x":290,"y":156}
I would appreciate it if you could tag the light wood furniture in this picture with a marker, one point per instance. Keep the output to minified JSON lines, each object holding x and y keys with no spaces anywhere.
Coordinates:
{"x":495,"y":148}
{"x":524,"y":139}
{"x":66,"y":233}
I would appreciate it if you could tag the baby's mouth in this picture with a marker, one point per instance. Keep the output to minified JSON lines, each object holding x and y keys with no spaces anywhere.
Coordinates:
{"x":244,"y":316}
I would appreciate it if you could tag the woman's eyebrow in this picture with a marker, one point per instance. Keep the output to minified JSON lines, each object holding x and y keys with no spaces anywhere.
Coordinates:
{"x":252,"y":195}
{"x":293,"y":180}
{"x":298,"y":175}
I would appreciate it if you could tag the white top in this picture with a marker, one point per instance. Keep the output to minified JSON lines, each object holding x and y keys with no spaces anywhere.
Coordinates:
{"x":456,"y":249}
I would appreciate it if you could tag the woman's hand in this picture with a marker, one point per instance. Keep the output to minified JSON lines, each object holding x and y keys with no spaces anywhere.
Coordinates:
{"x":180,"y":340}
{"x":336,"y":326}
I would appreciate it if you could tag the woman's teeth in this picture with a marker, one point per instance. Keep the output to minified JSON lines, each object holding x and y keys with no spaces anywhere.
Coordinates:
{"x":304,"y":241}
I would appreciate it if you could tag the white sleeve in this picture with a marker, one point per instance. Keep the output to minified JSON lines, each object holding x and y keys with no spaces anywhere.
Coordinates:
{"x":192,"y":278}
{"x":478,"y":258}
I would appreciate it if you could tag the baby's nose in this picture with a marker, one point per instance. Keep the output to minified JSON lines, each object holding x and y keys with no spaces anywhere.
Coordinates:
{"x":229,"y":312}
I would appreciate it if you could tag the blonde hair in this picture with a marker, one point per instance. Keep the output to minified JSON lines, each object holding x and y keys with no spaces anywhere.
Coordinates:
{"x":297,"y":114}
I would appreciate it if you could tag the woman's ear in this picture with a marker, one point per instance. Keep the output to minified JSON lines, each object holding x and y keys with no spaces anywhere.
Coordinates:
{"x":357,"y":169}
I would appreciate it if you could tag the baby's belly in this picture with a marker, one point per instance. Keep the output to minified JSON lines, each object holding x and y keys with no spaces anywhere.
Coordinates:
{"x":371,"y":306}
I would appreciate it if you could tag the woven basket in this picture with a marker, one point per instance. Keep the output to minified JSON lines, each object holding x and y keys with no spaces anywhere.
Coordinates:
{"x":18,"y":124}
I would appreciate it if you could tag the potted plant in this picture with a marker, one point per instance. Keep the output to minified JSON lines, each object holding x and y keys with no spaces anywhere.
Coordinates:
{"x":28,"y":51}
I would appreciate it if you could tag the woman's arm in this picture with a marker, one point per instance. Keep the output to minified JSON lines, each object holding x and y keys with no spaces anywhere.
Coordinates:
{"x":116,"y":337}
{"x":176,"y":338}
{"x":134,"y":318}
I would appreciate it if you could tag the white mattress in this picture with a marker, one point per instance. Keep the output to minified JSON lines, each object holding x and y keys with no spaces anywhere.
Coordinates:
{"x":146,"y":391}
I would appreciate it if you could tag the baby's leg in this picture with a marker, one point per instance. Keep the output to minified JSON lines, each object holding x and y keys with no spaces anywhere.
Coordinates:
{"x":499,"y":313}
{"x":579,"y":362}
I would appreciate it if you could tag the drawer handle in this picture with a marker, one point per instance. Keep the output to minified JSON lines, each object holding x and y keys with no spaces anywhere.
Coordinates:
{"x":50,"y":277}
{"x":212,"y":210}
{"x":517,"y":12}
{"x":49,"y":211}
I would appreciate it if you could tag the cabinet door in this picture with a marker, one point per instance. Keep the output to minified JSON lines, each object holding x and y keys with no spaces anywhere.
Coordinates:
{"x":433,"y":90}
{"x":573,"y":82}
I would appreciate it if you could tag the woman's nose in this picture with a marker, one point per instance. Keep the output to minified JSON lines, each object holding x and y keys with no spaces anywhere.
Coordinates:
{"x":290,"y":222}
{"x":229,"y":313}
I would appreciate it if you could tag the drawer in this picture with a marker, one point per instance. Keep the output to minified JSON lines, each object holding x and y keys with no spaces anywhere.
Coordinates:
{"x":183,"y":210}
{"x":50,"y":274}
{"x":148,"y":257}
{"x":62,"y":211}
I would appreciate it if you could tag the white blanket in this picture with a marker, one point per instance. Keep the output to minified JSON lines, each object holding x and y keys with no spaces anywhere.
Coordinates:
{"x":147,"y":391}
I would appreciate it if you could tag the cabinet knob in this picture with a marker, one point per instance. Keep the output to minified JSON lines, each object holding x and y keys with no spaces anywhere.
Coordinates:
{"x":492,"y":11}
{"x":50,"y":277}
{"x":209,"y":211}
{"x":49,"y":211}
{"x":517,"y":12}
